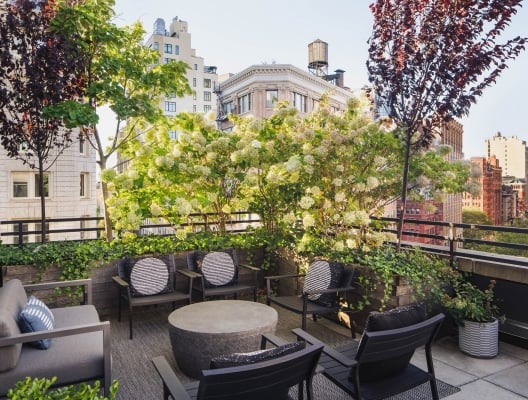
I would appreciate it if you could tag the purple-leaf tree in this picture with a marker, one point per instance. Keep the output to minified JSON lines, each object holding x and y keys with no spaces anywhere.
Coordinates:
{"x":38,"y":69}
{"x":429,"y":61}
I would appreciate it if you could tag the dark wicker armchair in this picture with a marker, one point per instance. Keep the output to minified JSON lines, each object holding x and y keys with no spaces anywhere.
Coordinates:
{"x":217,"y":273}
{"x":379,"y":367}
{"x":270,"y":378}
{"x":149,"y":280}
{"x":326,"y":285}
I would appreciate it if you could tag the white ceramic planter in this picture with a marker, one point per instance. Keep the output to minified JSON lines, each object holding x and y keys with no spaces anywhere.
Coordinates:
{"x":479,"y":339}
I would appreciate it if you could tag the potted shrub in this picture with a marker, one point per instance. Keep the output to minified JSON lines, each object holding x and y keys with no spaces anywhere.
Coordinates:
{"x":476,"y":313}
{"x":39,"y":389}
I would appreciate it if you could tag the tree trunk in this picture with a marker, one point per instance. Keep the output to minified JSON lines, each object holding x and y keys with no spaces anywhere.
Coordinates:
{"x":42,"y":193}
{"x":107,"y":221}
{"x":403,"y":205}
{"x":105,"y":194}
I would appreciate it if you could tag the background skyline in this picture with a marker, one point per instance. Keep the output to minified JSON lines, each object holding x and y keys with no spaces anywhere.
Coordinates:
{"x":233,"y":35}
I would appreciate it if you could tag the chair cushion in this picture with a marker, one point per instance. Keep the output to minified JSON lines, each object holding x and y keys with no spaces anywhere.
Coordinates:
{"x":237,"y":359}
{"x":399,"y":317}
{"x":149,"y":275}
{"x":34,"y":317}
{"x":323,"y":275}
{"x":218,"y":268}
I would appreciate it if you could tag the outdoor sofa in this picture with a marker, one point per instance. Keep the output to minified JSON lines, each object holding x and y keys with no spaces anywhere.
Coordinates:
{"x":79,"y":343}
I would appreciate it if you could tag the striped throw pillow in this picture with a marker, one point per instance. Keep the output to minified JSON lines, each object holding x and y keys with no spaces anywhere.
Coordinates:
{"x":149,"y":276}
{"x":218,"y":268}
{"x":323,"y":275}
{"x":34,"y":317}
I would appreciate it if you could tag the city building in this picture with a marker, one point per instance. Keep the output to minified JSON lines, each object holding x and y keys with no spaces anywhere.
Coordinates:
{"x":174,"y":44}
{"x":428,"y":210}
{"x":449,"y":209}
{"x":509,"y":203}
{"x":255,"y":90}
{"x":518,"y":185}
{"x":489,"y":199}
{"x":70,"y":193}
{"x":451,"y":134}
{"x":511,"y":152}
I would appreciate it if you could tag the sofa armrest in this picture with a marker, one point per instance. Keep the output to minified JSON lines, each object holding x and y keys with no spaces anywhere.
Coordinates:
{"x":53,"y":333}
{"x":171,"y":383}
{"x":85,"y":283}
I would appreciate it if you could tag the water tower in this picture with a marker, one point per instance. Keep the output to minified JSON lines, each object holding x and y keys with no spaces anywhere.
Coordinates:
{"x":318,"y":58}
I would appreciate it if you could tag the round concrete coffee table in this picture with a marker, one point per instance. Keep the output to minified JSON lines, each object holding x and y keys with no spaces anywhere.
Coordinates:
{"x":201,"y":331}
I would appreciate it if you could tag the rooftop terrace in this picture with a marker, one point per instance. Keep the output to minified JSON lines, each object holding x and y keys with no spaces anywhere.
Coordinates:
{"x":503,"y":377}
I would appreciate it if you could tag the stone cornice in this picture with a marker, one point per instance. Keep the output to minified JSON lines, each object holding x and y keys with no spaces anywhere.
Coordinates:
{"x":284,"y":69}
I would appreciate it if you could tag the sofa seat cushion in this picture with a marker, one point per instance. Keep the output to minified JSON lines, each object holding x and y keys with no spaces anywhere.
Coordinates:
{"x":12,"y":299}
{"x":36,"y":316}
{"x":71,"y":358}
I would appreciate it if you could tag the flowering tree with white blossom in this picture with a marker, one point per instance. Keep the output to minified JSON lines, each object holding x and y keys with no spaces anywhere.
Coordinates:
{"x":323,"y":174}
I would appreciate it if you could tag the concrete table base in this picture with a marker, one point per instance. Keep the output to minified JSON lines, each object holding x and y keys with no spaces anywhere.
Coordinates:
{"x":201,"y":331}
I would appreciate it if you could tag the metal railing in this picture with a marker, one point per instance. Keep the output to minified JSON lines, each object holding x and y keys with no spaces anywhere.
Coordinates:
{"x":238,"y":222}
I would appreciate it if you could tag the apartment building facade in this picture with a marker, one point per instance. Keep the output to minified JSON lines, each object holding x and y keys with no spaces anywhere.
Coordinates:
{"x":489,"y":199}
{"x":256,"y":90}
{"x":174,"y":44}
{"x":511,"y":152}
{"x":70,"y":187}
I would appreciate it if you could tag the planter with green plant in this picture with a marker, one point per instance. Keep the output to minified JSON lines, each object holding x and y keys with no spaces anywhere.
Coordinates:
{"x":39,"y":389}
{"x":476,"y":313}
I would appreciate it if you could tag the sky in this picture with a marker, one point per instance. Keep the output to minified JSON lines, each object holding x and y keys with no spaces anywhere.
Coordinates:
{"x":234,"y":34}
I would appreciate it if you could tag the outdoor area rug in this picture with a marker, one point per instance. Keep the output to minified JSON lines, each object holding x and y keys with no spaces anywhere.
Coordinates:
{"x":132,"y":366}
{"x":325,"y":389}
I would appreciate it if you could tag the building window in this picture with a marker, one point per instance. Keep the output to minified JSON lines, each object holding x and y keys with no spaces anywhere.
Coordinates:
{"x":168,"y":48}
{"x":38,"y":228}
{"x":170,"y":106}
{"x":38,"y":192}
{"x":82,"y":145}
{"x":299,"y":102}
{"x":194,"y":82}
{"x":207,"y":96}
{"x":227,"y":107}
{"x":167,"y":60}
{"x":173,"y":135}
{"x":20,"y":188}
{"x":196,"y":67}
{"x":155,"y":46}
{"x":84,"y":182}
{"x":176,"y":49}
{"x":207,"y":108}
{"x":244,"y":103}
{"x":194,"y":107}
{"x":271,"y":97}
{"x":207,"y":83}
{"x":25,"y":229}
{"x":27,"y":185}
{"x":194,"y":96}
